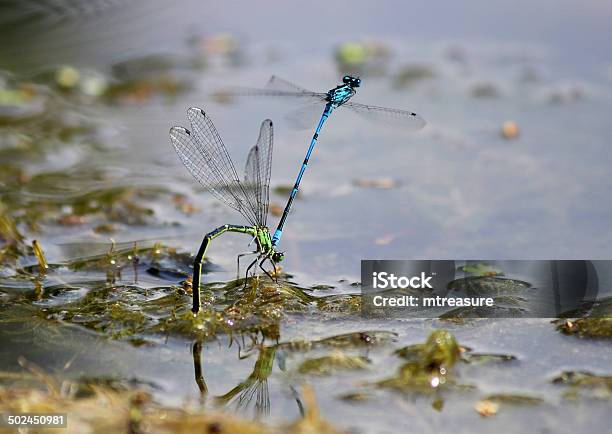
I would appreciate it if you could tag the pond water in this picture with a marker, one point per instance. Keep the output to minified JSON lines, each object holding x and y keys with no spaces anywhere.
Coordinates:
{"x":513,"y":163}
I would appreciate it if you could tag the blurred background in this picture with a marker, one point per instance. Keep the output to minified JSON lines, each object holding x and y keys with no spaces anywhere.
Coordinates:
{"x":514,"y":163}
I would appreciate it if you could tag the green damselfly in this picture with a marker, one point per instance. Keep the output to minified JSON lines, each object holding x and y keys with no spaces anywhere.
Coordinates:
{"x":203,"y":153}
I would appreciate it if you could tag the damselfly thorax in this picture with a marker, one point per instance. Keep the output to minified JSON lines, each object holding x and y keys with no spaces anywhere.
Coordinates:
{"x":342,"y":93}
{"x":264,"y":243}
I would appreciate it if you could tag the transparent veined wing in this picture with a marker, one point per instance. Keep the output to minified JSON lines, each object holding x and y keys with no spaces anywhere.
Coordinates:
{"x":400,"y":118}
{"x":311,"y":103}
{"x":281,"y":85}
{"x":258,"y":171}
{"x":203,"y":153}
{"x":276,"y":86}
{"x":306,"y":116}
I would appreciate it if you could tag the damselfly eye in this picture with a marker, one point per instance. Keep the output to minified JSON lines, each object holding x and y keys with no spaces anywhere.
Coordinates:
{"x":278,"y":256}
{"x":351,"y":81}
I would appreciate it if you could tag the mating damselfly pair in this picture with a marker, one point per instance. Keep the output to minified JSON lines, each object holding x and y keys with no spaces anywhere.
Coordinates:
{"x":203,"y":153}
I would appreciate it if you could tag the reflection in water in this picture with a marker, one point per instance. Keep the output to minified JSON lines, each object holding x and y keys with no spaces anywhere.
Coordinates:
{"x":255,"y":386}
{"x":254,"y":389}
{"x":196,"y":351}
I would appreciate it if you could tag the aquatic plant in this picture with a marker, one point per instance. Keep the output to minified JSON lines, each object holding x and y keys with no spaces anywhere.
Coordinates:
{"x":514,"y":399}
{"x":481,"y":269}
{"x":336,"y":361}
{"x":583,"y":384}
{"x":587,"y":327}
{"x":362,"y":339}
{"x":429,"y":365}
{"x":118,"y":407}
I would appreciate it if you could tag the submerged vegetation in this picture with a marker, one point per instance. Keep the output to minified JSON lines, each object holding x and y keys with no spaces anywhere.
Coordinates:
{"x":99,"y":407}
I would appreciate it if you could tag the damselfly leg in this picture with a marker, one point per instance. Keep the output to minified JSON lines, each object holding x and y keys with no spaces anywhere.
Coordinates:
{"x":246,"y":275}
{"x":238,"y":261}
{"x":274,"y":269}
{"x":266,"y":271}
{"x":260,"y":261}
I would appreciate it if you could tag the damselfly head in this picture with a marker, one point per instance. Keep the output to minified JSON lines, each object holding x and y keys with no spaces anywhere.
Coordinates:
{"x":278,"y":256}
{"x":351,"y":81}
